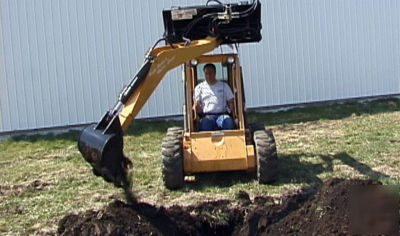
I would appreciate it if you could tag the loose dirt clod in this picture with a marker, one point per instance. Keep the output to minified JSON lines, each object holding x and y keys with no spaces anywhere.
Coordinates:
{"x":310,"y":211}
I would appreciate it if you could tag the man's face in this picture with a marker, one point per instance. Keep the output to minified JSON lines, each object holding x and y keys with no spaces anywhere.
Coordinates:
{"x":209,"y":73}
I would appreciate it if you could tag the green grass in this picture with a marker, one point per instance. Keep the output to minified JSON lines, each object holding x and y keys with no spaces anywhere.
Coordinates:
{"x":44,"y":177}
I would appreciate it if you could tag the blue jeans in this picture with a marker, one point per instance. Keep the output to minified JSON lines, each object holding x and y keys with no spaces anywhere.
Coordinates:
{"x":216,"y":122}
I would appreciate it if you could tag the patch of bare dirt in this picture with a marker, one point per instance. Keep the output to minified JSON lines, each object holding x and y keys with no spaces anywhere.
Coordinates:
{"x":36,"y":185}
{"x":316,"y":210}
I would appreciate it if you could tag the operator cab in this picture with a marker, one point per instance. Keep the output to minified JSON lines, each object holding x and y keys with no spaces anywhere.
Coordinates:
{"x":228,"y":70}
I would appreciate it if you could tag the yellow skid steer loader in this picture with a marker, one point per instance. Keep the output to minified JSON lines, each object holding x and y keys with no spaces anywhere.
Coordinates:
{"x":190,"y":33}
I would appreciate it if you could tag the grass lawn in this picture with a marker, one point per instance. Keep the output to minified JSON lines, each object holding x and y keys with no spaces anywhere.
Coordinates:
{"x":45,"y":177}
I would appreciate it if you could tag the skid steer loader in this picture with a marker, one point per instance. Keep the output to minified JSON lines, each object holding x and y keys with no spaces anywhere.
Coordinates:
{"x":190,"y":33}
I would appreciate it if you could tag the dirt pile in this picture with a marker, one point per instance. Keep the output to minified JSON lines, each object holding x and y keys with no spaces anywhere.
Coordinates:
{"x":309,"y":211}
{"x":330,"y":211}
{"x":118,"y":218}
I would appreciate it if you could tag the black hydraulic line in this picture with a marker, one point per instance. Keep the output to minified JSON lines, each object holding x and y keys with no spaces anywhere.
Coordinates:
{"x":243,"y":14}
{"x":139,"y":77}
{"x":134,"y":84}
{"x":213,"y":1}
{"x":250,"y":10}
{"x":193,"y":23}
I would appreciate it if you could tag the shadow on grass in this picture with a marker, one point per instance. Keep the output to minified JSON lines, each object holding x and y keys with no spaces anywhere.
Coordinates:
{"x":332,"y":111}
{"x":138,"y":128}
{"x":141,"y":127}
{"x":68,"y":136}
{"x":291,"y":171}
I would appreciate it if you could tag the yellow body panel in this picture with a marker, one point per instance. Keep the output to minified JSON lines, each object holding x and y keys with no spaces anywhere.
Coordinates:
{"x":217,"y":151}
{"x":251,"y":158}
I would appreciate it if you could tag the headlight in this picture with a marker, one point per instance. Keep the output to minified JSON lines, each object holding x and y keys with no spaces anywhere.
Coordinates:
{"x":194,"y":62}
{"x":231,"y":60}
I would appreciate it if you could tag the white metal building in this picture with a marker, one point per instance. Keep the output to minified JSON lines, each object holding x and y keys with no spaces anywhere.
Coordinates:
{"x":63,"y":62}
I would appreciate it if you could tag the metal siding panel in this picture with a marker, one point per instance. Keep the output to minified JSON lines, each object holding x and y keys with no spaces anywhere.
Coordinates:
{"x":92,"y":60}
{"x":71,"y":104}
{"x":14,"y":66}
{"x":363,"y":42}
{"x":26,"y":80}
{"x":68,"y":60}
{"x":395,"y":11}
{"x":52,"y":51}
{"x":101,"y":72}
{"x":60,"y":56}
{"x":3,"y":84}
{"x":109,"y":87}
{"x":115,"y":58}
{"x":89,"y":82}
{"x":43,"y":92}
{"x":77,"y":84}
{"x":37,"y":97}
{"x":290,"y":58}
{"x":356,"y":51}
{"x":330,"y":56}
{"x":374,"y":52}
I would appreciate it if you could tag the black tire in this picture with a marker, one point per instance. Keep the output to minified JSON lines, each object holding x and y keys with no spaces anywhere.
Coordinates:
{"x":267,"y":157}
{"x":253,"y":127}
{"x":172,"y":159}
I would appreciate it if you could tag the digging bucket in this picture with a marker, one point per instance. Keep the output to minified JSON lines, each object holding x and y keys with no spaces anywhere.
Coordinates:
{"x":102,"y":146}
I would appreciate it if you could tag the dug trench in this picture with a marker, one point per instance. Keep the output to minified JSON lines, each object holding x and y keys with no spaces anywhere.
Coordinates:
{"x":315,"y":210}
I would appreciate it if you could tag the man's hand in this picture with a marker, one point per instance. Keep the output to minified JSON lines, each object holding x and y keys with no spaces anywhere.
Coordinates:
{"x":231,"y":105}
{"x":197,"y":107}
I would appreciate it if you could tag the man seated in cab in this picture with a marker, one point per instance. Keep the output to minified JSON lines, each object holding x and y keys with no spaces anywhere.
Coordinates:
{"x":212,"y":100}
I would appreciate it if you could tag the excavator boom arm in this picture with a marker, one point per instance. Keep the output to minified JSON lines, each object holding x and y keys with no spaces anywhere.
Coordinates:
{"x":163,"y":59}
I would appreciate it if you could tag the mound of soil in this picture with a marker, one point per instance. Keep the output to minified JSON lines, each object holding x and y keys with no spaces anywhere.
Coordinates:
{"x":316,"y":210}
{"x":329,"y":212}
{"x":118,"y":218}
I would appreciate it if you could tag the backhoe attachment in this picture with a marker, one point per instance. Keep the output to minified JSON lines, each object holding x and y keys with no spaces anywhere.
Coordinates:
{"x":101,"y":144}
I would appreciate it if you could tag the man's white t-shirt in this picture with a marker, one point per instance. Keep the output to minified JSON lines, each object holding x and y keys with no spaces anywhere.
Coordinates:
{"x":214,"y":97}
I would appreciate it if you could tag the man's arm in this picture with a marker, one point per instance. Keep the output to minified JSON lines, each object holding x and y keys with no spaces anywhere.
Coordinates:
{"x":231,"y":105}
{"x":230,"y":100}
{"x":197,"y":107}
